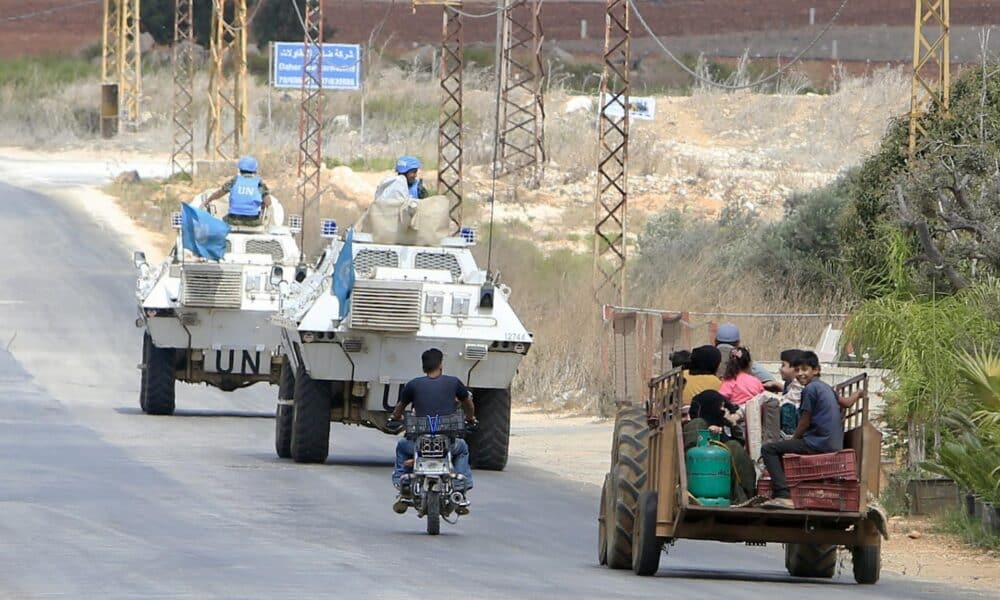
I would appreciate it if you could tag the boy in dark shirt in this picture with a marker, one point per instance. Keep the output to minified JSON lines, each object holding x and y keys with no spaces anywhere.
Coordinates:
{"x":820,"y":428}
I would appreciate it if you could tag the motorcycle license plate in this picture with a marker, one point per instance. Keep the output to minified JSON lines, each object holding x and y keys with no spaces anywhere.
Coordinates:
{"x":430,"y":467}
{"x":238,"y":361}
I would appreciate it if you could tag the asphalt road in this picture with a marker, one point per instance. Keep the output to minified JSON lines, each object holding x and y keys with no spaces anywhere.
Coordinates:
{"x":98,"y":500}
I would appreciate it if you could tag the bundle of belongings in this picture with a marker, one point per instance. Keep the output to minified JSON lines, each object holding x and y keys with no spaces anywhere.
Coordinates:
{"x":397,"y":218}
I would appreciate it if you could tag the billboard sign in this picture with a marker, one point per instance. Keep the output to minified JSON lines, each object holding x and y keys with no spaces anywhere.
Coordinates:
{"x":341,"y":65}
{"x":642,"y":108}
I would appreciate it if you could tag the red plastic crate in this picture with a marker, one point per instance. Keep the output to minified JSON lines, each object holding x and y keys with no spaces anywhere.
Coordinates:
{"x":842,"y":496}
{"x":820,"y":467}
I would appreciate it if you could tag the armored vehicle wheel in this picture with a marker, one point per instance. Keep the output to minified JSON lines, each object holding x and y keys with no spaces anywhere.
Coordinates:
{"x":628,"y":476}
{"x":646,"y":547}
{"x":310,"y":441}
{"x":433,"y":500}
{"x":867,"y":563}
{"x":488,"y":446}
{"x":142,"y":378}
{"x":811,"y":560}
{"x":284,"y":413}
{"x":602,"y":524}
{"x":159,"y":379}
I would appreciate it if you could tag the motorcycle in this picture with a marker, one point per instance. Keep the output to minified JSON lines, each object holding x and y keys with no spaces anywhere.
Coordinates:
{"x":432,"y":490}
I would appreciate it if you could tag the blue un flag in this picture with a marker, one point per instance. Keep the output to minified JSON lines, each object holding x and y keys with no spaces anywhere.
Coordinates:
{"x":202,"y":233}
{"x":343,"y":274}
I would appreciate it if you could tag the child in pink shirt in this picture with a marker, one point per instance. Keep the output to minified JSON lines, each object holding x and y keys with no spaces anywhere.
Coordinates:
{"x":738,"y":385}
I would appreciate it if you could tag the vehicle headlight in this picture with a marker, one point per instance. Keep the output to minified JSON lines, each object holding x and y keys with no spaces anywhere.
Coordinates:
{"x":252,"y":282}
{"x":460,"y":305}
{"x":434,"y":304}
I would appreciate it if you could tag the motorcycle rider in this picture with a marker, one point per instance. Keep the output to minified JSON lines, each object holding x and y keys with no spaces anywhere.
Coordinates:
{"x":434,"y":394}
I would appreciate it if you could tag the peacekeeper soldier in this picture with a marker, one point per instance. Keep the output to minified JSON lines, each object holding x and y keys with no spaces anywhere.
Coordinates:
{"x":248,"y":194}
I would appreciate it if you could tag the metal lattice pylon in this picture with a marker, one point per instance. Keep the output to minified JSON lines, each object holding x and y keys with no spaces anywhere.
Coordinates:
{"x":111,"y":28}
{"x":450,"y":124}
{"x":522,"y":137}
{"x":182,"y":155}
{"x":227,"y":88}
{"x":611,"y":200}
{"x":130,"y":64}
{"x":309,"y":187}
{"x":931,"y":53}
{"x":121,"y":58}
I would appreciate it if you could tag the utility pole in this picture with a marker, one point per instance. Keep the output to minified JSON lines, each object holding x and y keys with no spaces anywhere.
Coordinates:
{"x":450,"y":116}
{"x":182,"y":155}
{"x":121,"y":65}
{"x":227,"y":89}
{"x":931,"y":82}
{"x":309,"y":185}
{"x":522,"y":77}
{"x":611,"y":199}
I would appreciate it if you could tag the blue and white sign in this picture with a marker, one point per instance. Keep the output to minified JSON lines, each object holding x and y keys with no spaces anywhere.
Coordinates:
{"x":341,"y":65}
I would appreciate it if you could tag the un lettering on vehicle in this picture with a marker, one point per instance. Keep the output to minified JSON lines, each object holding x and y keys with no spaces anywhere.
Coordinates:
{"x":237,"y":361}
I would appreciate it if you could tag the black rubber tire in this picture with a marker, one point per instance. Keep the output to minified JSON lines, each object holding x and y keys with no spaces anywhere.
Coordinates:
{"x":488,"y":447}
{"x":310,"y":441}
{"x":284,"y":413}
{"x":142,"y":377}
{"x":628,"y":475}
{"x":867,"y":563}
{"x":286,"y":381}
{"x":433,"y":499}
{"x":646,"y":547}
{"x":160,"y":380}
{"x":283,"y":417}
{"x":602,"y":528}
{"x":811,"y":560}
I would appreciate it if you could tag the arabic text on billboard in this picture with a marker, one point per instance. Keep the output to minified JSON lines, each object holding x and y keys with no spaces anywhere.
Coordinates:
{"x":341,"y":65}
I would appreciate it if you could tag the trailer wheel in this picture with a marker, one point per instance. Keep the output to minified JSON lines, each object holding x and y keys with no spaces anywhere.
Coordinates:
{"x":488,"y":447}
{"x":646,"y":547}
{"x":811,"y":560}
{"x":159,"y":378}
{"x":284,"y":413}
{"x":602,"y":523}
{"x":867,"y":563}
{"x":628,"y":478}
{"x":310,"y":441}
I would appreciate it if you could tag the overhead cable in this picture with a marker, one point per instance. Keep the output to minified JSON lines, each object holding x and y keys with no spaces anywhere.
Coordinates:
{"x":48,"y":11}
{"x":781,"y":71}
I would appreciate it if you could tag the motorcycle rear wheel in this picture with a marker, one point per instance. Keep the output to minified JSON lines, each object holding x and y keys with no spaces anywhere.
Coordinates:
{"x":433,"y":500}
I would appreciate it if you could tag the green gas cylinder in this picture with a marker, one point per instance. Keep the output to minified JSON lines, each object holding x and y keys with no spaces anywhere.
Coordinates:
{"x":708,"y":471}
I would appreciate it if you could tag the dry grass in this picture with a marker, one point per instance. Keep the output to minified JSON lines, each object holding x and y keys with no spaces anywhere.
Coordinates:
{"x":551,"y":291}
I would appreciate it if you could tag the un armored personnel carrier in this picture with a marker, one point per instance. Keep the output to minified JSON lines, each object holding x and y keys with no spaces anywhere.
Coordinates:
{"x":416,"y":287}
{"x":209,"y":322}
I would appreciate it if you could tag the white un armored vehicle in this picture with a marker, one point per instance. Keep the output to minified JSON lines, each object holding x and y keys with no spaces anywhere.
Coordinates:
{"x":209,"y":322}
{"x":416,"y":287}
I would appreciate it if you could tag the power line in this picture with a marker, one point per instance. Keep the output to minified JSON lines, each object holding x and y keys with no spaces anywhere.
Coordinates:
{"x":492,"y":13}
{"x":781,"y":71}
{"x":48,"y":11}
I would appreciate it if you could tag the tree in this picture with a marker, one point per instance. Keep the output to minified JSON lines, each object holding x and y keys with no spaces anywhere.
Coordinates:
{"x":946,"y":199}
{"x":277,"y":21}
{"x":157,"y":18}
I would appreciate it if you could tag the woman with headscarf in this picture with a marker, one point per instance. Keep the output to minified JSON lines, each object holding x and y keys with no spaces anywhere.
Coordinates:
{"x":711,"y":411}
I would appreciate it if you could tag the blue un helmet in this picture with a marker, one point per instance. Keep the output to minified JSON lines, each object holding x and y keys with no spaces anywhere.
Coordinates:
{"x":247,"y":164}
{"x":405,"y":164}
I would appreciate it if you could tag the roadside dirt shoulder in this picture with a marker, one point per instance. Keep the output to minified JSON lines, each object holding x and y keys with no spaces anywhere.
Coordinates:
{"x":579,"y":449}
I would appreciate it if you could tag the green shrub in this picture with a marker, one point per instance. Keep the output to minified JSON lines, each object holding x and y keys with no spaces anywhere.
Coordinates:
{"x":34,"y":77}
